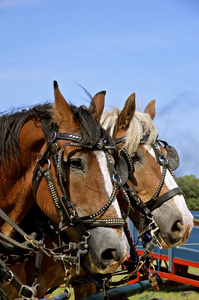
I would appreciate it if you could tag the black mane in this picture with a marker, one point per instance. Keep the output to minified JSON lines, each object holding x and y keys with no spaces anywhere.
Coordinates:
{"x":11,"y":124}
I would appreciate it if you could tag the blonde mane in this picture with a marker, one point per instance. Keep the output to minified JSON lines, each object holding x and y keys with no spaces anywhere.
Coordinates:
{"x":140,"y":125}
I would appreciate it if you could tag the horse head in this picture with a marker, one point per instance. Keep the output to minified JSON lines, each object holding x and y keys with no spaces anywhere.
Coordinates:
{"x":151,"y":162}
{"x":80,"y":184}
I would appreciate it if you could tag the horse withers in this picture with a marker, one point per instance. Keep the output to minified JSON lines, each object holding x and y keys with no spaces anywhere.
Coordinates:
{"x":152,"y":160}
{"x":59,"y":157}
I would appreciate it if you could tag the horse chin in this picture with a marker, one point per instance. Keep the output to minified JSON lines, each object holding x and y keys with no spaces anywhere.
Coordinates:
{"x":176,"y":229}
{"x":111,"y":268}
{"x":108,"y":248}
{"x":106,"y":268}
{"x":169,"y":242}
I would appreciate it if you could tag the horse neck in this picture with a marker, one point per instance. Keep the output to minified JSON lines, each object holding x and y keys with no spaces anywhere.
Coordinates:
{"x":16,"y":189}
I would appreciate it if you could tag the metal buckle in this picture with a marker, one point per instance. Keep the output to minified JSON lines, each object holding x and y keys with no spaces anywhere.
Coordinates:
{"x":153,"y":234}
{"x":28,"y":288}
{"x":11,"y":278}
{"x":84,"y":251}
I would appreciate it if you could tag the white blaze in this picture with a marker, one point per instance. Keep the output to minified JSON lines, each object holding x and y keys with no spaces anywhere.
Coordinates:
{"x":101,"y":157}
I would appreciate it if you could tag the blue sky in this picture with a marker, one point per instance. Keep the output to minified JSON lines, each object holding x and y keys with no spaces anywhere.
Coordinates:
{"x":149,"y":47}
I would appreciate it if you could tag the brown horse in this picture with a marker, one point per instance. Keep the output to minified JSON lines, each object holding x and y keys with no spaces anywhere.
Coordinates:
{"x":150,"y":178}
{"x":59,"y":158}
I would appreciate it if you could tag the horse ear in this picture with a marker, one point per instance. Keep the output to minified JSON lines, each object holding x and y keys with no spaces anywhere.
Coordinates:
{"x":97,"y":105}
{"x":150,"y":109}
{"x":61,"y":110}
{"x":127,"y":112}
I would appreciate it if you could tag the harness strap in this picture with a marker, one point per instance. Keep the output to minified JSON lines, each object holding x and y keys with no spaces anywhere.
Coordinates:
{"x":11,"y":222}
{"x":29,"y":238}
{"x":38,"y":263}
{"x":7,"y":275}
{"x":152,"y":205}
{"x":13,"y":242}
{"x":54,"y":194}
{"x":114,"y":222}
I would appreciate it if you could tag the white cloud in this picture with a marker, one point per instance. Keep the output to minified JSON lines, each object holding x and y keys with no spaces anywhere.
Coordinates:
{"x":178,"y":124}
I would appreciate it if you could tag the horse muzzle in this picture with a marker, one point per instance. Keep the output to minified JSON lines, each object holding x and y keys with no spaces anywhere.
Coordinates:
{"x":175,"y":230}
{"x":108,"y":248}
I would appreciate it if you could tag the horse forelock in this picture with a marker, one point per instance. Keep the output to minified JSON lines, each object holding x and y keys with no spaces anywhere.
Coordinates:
{"x":140,"y":125}
{"x":109,"y":119}
{"x":91,"y":129}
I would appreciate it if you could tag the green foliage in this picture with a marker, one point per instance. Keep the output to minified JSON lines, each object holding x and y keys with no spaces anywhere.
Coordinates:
{"x":189,"y":184}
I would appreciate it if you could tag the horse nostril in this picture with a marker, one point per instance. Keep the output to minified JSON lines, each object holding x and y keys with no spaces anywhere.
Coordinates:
{"x":177,"y":227}
{"x":110,"y":254}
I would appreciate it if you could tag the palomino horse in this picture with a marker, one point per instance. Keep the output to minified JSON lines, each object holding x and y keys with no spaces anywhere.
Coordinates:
{"x":57,"y":159}
{"x":151,"y":161}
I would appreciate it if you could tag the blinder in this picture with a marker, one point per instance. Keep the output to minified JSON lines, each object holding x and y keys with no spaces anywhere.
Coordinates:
{"x":124,"y":165}
{"x":124,"y":153}
{"x":172,"y":156}
{"x":122,"y":169}
{"x":170,"y":161}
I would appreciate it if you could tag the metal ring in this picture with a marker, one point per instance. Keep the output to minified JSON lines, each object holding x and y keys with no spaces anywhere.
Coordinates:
{"x":117,"y":178}
{"x":47,"y":168}
{"x":54,"y":137}
{"x":163,"y":160}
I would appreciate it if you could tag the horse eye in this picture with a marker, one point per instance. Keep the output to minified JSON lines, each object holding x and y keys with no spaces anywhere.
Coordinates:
{"x":135,"y":157}
{"x":76,"y":164}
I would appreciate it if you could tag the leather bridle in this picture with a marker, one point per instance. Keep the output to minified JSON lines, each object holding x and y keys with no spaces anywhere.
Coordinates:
{"x":156,"y":200}
{"x":63,"y":203}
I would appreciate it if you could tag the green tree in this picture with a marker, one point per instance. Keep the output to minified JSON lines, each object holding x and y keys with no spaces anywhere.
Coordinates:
{"x":189,"y":184}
